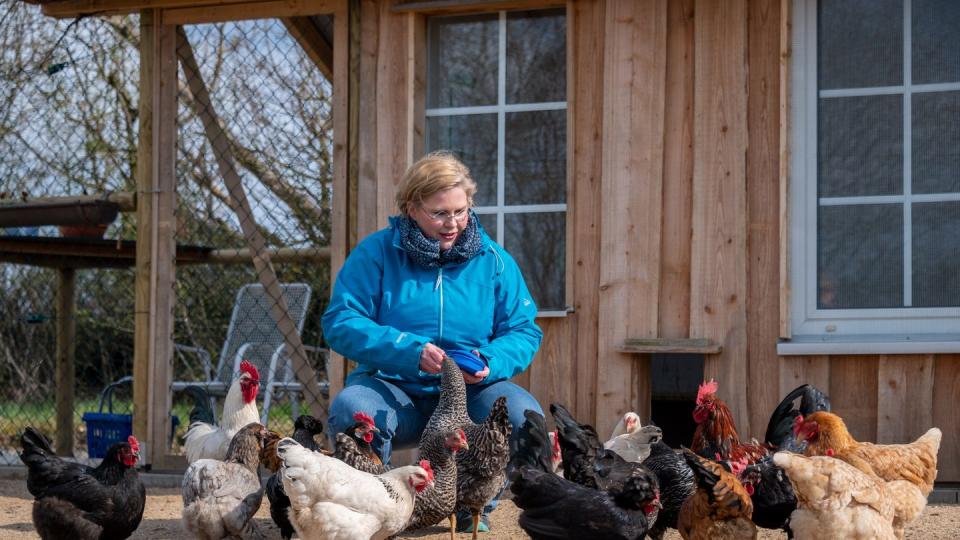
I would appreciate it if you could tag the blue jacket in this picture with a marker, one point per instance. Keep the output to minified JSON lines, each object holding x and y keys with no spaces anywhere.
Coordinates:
{"x":385,"y":308}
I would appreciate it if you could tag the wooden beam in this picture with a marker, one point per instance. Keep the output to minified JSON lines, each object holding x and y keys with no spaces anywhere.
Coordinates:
{"x":946,"y":386}
{"x":217,"y":139}
{"x":277,"y":255}
{"x":436,"y":7}
{"x":125,"y":200}
{"x":313,"y":42}
{"x":393,"y":108}
{"x":66,"y":348}
{"x":75,"y":8}
{"x":718,"y":282}
{"x":670,"y":345}
{"x":634,"y":60}
{"x":245,"y":11}
{"x":786,"y":38}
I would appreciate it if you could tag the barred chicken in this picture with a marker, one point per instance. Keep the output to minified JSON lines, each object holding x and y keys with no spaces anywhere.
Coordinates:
{"x":837,"y":500}
{"x":221,"y":497}
{"x":353,"y":446}
{"x":331,"y":500}
{"x":720,"y":509}
{"x":438,"y":503}
{"x":482,"y":469}
{"x":676,"y":482}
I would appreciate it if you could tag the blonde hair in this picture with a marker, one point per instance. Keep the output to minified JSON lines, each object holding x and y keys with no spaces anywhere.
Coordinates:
{"x":435,"y":172}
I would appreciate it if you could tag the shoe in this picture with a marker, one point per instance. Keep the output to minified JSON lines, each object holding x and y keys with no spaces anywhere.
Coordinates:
{"x":465,"y":523}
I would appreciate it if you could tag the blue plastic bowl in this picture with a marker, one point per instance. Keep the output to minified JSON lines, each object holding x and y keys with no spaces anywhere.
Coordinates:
{"x":466,"y":360}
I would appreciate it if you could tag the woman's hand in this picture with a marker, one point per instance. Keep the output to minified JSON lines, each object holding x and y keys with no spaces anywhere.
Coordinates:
{"x":431,"y":358}
{"x":478,"y":376}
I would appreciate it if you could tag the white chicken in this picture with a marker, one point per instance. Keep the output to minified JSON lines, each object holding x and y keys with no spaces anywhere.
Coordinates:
{"x":634,"y":445}
{"x":205,"y":441}
{"x":330,"y":500}
{"x":629,"y":423}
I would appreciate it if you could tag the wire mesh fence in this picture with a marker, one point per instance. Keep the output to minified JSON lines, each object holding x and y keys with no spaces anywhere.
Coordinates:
{"x":253,"y":170}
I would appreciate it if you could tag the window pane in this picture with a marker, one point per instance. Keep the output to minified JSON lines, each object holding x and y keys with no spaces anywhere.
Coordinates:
{"x":860,"y":43}
{"x":489,"y":223}
{"x":936,"y":254}
{"x":535,"y":164}
{"x":860,"y":147}
{"x":536,"y":56}
{"x":860,"y":256}
{"x":538,"y":243}
{"x":462,"y":61}
{"x":473,"y":138}
{"x":936,"y":41}
{"x":936,"y":142}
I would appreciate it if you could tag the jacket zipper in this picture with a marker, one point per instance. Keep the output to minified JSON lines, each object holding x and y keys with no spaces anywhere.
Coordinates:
{"x":439,"y":285}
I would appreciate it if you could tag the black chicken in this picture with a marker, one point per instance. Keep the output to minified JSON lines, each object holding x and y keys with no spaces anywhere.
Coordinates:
{"x":304,"y":429}
{"x":676,"y":482}
{"x":79,"y":502}
{"x":780,"y":427}
{"x":532,"y":447}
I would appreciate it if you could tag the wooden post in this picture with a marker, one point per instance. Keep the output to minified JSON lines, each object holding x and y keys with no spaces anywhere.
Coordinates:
{"x":241,"y":206}
{"x":66,"y":347}
{"x":156,"y":199}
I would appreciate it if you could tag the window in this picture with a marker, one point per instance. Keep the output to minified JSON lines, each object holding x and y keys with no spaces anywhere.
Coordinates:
{"x":875,"y":183}
{"x":496,"y":97}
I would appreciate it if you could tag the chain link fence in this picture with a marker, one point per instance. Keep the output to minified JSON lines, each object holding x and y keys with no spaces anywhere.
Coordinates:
{"x":69,"y":127}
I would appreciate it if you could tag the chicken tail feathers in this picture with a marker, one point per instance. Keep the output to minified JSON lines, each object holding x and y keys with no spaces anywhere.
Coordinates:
{"x":780,"y":427}
{"x":499,"y":417}
{"x":201,"y":411}
{"x":568,"y":429}
{"x":533,"y":448}
{"x":36,"y":447}
{"x":706,"y":478}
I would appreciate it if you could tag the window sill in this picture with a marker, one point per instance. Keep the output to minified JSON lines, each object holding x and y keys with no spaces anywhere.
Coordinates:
{"x":553,"y":314}
{"x":866,"y":344}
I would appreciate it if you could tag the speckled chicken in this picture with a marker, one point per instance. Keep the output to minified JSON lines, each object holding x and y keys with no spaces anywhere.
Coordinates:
{"x":438,"y":503}
{"x":482,"y":470}
{"x":353,"y":446}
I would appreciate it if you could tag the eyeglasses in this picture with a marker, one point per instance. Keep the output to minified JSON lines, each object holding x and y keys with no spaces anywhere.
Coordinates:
{"x":442,"y":216}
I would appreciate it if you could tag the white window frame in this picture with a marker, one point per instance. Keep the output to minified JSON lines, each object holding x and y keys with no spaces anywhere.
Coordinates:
{"x":851,"y":331}
{"x":501,"y":109}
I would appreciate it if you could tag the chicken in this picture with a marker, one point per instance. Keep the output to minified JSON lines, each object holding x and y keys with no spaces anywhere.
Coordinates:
{"x":481,"y":469}
{"x":305,"y":427}
{"x":826,"y":435}
{"x":780,"y":426}
{"x":533,"y":446}
{"x":720,"y":508}
{"x":353,"y":446}
{"x":79,"y":502}
{"x":554,"y":507}
{"x":433,"y":505}
{"x":716,"y":434}
{"x":585,"y":460}
{"x":221,"y":497}
{"x":628,"y":423}
{"x":206,"y":441}
{"x":332,"y":500}
{"x":556,"y":456}
{"x":635,"y":445}
{"x":676,"y":482}
{"x":837,"y":500}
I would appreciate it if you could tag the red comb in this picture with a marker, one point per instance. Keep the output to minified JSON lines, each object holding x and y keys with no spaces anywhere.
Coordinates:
{"x":426,"y":466}
{"x":134,"y":445}
{"x":250,"y":369}
{"x":361,"y":416}
{"x":708,"y":388}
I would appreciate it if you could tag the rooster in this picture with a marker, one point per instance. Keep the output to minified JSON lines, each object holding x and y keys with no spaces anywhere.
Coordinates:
{"x":720,"y":509}
{"x":206,"y":441}
{"x":837,"y":500}
{"x":716,"y":434}
{"x":305,"y":427}
{"x":221,"y":497}
{"x":332,"y":500}
{"x":79,"y":502}
{"x":353,"y":446}
{"x":826,"y":435}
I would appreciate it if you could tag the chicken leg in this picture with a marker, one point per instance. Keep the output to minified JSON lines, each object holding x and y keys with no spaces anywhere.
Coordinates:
{"x":453,"y":526}
{"x":476,"y":523}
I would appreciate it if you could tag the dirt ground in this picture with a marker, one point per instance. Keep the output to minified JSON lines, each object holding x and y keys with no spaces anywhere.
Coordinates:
{"x":161,"y":519}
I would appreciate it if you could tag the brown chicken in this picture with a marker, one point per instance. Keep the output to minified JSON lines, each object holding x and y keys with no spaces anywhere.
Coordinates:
{"x":826,"y":435}
{"x":716,"y":434}
{"x":720,"y":508}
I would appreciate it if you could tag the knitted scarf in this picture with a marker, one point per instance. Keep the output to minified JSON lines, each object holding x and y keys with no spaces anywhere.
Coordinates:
{"x":426,"y":253}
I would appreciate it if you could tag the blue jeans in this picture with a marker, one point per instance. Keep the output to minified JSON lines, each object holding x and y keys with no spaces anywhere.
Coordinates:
{"x":401,"y":417}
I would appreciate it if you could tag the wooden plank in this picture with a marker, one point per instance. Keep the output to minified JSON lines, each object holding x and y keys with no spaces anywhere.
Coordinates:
{"x":786,"y":8}
{"x":125,"y":200}
{"x":344,"y":133}
{"x":313,"y":43}
{"x":367,"y":218}
{"x":76,"y":8}
{"x":439,"y":7}
{"x":631,"y":194}
{"x":678,"y":173}
{"x":585,"y":28}
{"x":551,"y":370}
{"x":671,"y":345}
{"x":214,"y":132}
{"x":278,"y":255}
{"x":66,"y":352}
{"x":946,"y":415}
{"x":904,"y":397}
{"x":853,"y":394}
{"x":393,"y":106}
{"x":718,"y":269}
{"x":797,"y":370}
{"x":246,"y":11}
{"x":763,"y":198}
{"x":417,"y":83}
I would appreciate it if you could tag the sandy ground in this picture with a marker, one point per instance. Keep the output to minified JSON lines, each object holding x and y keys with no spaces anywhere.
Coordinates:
{"x":161,"y":519}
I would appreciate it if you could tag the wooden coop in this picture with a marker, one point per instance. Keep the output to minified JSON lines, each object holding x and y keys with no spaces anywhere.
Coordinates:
{"x":686,"y":215}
